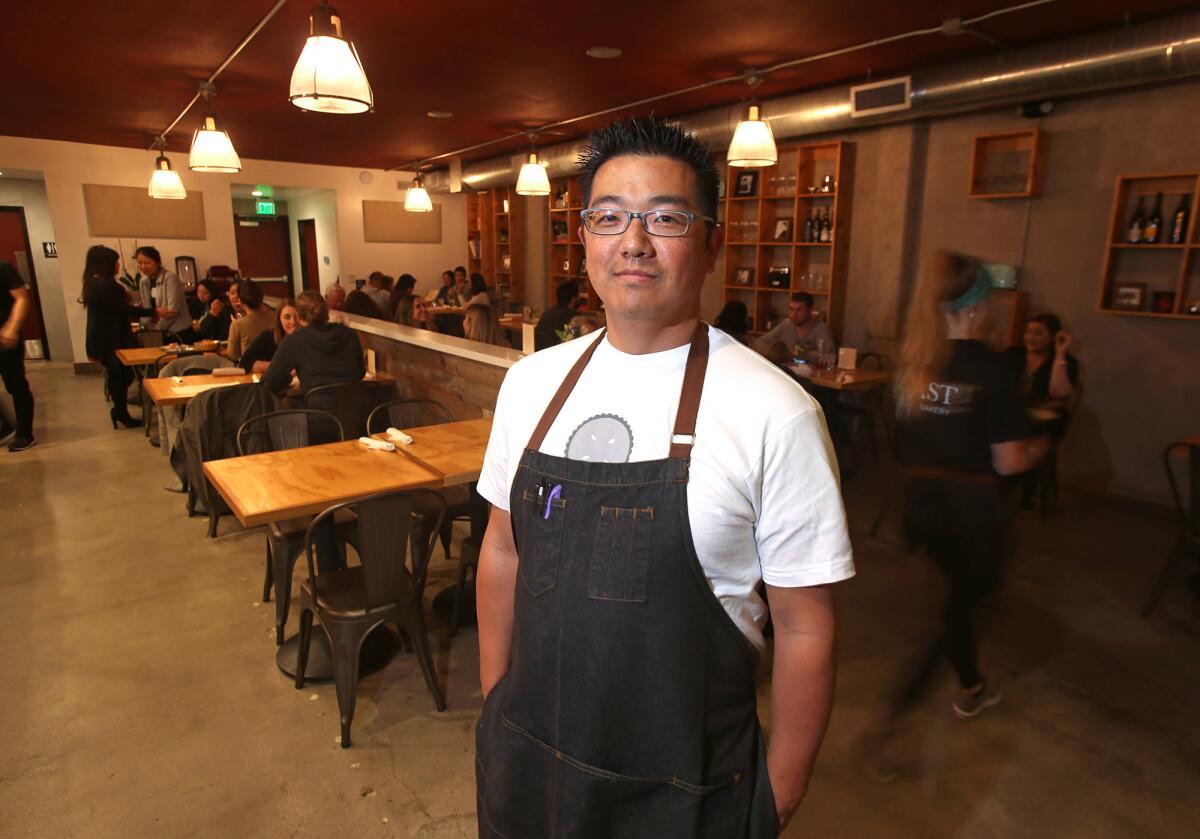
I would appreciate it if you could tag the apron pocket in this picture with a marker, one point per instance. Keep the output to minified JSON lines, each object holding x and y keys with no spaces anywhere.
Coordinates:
{"x":540,"y":542}
{"x":621,"y":554}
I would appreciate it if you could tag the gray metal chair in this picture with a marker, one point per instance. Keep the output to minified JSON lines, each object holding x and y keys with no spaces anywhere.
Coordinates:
{"x":277,"y":431}
{"x":1189,"y":515}
{"x":351,"y":602}
{"x":415,"y":413}
{"x":345,"y":400}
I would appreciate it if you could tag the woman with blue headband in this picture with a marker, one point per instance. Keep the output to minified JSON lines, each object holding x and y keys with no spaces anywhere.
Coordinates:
{"x":962,"y":425}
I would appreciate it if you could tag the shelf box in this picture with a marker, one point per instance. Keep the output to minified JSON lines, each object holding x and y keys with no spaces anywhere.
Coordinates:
{"x":1007,"y":164}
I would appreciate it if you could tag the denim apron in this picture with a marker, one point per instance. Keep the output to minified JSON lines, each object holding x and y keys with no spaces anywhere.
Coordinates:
{"x":629,"y":707}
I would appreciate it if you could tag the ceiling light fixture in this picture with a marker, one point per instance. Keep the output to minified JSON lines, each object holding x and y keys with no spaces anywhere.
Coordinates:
{"x":165,"y":182}
{"x":416,"y":200}
{"x":439,"y":114}
{"x":604,"y":53}
{"x":212,"y":150}
{"x":328,"y":76}
{"x":256,"y":193}
{"x":532,"y":179}
{"x":753,"y":143}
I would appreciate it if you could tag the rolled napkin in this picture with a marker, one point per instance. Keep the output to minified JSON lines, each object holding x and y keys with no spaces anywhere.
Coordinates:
{"x":228,"y":371}
{"x":372,"y":443}
{"x":399,"y":436}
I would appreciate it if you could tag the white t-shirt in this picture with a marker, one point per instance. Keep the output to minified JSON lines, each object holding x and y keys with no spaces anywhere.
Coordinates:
{"x":763,"y":492}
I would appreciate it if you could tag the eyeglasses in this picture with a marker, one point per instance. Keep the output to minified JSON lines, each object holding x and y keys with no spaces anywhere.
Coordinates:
{"x":608,"y":221}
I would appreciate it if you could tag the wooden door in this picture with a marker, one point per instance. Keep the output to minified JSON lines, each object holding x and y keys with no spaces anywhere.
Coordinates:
{"x":310,"y":272}
{"x":264,"y":249}
{"x":14,"y":248}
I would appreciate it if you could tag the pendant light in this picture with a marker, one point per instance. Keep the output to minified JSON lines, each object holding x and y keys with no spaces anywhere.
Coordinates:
{"x":165,"y":182}
{"x":753,"y":144}
{"x":212,"y":150}
{"x":416,"y":200}
{"x":328,"y":75}
{"x":532,"y":179}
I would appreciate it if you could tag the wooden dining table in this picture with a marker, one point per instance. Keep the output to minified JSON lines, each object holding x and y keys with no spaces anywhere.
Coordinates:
{"x":273,"y":486}
{"x":839,"y":379}
{"x":179,"y":390}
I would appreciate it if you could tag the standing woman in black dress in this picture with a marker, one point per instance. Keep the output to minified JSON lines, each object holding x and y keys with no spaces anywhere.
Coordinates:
{"x":108,"y":316}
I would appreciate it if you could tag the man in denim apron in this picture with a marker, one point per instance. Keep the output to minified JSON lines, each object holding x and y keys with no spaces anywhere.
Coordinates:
{"x":644,"y":482}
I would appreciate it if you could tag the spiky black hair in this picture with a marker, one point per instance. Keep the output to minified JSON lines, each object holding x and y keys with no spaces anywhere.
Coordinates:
{"x":649,"y":137}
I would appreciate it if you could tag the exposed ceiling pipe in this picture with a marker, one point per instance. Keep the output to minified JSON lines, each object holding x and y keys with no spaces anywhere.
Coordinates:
{"x":1157,"y":51}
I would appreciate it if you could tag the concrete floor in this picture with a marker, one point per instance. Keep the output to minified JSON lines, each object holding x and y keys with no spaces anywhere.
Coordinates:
{"x":141,"y":698}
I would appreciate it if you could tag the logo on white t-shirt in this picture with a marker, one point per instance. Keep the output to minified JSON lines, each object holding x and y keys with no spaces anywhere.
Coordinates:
{"x":604,"y":438}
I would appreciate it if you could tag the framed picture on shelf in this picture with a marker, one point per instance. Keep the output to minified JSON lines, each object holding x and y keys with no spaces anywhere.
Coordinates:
{"x":744,"y":276}
{"x":780,"y":276}
{"x":783,"y":230}
{"x":566,"y":266}
{"x":502,"y":234}
{"x":506,"y":262}
{"x":1129,"y":297}
{"x":746,"y":185}
{"x":559,"y":230}
{"x":583,"y":266}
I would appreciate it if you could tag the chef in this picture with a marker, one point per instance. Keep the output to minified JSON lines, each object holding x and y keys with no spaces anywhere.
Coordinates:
{"x":645,"y":481}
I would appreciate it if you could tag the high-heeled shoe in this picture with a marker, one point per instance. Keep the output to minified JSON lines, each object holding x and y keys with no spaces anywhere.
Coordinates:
{"x":126,"y":420}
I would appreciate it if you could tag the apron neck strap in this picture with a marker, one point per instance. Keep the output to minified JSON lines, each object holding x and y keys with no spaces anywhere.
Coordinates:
{"x":689,"y":397}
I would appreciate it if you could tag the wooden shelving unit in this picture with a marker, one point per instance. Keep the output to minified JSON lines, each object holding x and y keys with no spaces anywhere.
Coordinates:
{"x":789,"y":192}
{"x":496,"y":219}
{"x":1007,"y":164}
{"x":566,"y":248}
{"x":1161,"y":267}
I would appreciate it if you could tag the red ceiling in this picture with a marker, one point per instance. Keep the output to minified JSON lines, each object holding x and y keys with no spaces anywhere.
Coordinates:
{"x":118,"y":71}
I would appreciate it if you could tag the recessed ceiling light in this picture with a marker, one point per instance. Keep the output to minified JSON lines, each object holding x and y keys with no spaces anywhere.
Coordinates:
{"x":257,"y":193}
{"x":604,"y":52}
{"x":440,"y":114}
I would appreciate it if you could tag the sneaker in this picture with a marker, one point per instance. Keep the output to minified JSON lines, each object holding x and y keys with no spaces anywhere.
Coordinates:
{"x":20,"y":444}
{"x":971,"y":703}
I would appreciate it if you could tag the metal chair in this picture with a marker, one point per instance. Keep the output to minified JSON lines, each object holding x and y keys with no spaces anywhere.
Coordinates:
{"x":415,"y":413}
{"x":1189,"y":515}
{"x":351,"y":602}
{"x":857,"y":409}
{"x":345,"y":400}
{"x":277,"y":431}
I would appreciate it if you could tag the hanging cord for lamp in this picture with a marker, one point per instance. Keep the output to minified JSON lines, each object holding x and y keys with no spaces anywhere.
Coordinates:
{"x":221,"y":68}
{"x":741,"y":77}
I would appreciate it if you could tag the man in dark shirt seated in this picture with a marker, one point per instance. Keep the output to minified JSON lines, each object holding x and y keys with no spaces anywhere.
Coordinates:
{"x":545,"y":333}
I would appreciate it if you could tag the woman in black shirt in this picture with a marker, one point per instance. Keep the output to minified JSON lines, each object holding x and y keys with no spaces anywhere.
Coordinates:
{"x":961,"y":425}
{"x":108,"y":316}
{"x":218,"y":314}
{"x":258,"y":355}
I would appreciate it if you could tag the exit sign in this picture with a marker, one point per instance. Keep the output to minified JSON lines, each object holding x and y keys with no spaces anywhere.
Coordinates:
{"x":266,"y":208}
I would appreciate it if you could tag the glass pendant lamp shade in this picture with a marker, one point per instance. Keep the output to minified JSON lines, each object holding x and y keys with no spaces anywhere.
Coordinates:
{"x":212,"y":150}
{"x":416,"y":200}
{"x":328,"y":75}
{"x":165,"y":183}
{"x":753,"y":143}
{"x":533,"y":179}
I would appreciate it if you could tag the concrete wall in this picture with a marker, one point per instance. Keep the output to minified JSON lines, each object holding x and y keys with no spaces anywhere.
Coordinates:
{"x":1141,"y":376}
{"x":66,"y":166}
{"x":31,"y":196}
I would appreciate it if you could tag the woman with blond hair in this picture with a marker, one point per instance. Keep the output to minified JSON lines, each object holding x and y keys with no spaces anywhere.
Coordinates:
{"x":478,"y":325}
{"x":961,"y":426}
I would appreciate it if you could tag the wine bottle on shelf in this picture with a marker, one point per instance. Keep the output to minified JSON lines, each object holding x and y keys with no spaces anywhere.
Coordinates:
{"x":1133,"y":233}
{"x":1179,"y":221}
{"x":1153,"y":227}
{"x":826,"y":227}
{"x":808,"y":230}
